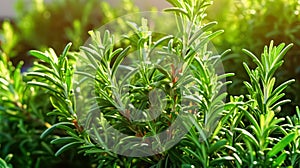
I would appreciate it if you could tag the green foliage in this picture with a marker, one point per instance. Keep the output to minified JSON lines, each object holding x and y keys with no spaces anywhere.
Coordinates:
{"x":251,"y":24}
{"x":262,"y":81}
{"x":258,"y":128}
{"x":293,"y":127}
{"x":190,"y":47}
{"x":22,"y":118}
{"x":243,"y":131}
{"x":4,"y":162}
{"x":59,"y":76}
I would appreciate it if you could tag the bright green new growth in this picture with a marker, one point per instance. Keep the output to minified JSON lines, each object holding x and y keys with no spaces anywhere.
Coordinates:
{"x":264,"y":99}
{"x":262,"y":80}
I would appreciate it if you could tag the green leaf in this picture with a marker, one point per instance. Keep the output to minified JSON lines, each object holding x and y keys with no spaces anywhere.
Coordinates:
{"x":90,"y":53}
{"x":46,"y":86}
{"x":175,"y":3}
{"x":158,"y":42}
{"x":220,"y":160}
{"x":66,"y":50}
{"x":3,"y":163}
{"x":119,"y":59}
{"x":40,"y":55}
{"x":282,"y":53}
{"x":191,"y":152}
{"x":281,"y":144}
{"x":209,"y":25}
{"x":178,"y":11}
{"x":44,"y":69}
{"x":63,"y":140}
{"x":279,"y":89}
{"x":66,"y":147}
{"x":279,"y":160}
{"x":255,"y":59}
{"x":280,"y":103}
{"x":4,"y":81}
{"x":49,"y":130}
{"x":53,"y":80}
{"x":248,"y":136}
{"x":95,"y":151}
{"x":53,"y":57}
{"x":217,"y":146}
{"x":252,"y":120}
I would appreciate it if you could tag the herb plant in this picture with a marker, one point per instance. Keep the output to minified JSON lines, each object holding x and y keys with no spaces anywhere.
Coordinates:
{"x":116,"y":82}
{"x":252,"y":24}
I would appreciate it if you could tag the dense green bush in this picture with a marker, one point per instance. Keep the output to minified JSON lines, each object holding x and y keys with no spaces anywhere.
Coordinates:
{"x":244,"y":131}
{"x":23,"y":119}
{"x":40,"y":25}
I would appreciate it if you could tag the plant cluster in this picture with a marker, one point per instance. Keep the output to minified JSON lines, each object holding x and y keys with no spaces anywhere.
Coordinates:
{"x":243,"y":131}
{"x":23,"y":118}
{"x":251,"y":24}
